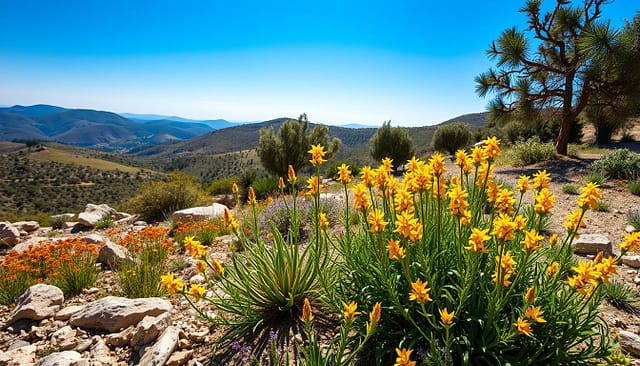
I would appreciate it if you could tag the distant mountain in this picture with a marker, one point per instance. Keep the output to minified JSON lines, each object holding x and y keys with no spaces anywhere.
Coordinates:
{"x":91,"y":128}
{"x":475,"y":120}
{"x":216,"y":124}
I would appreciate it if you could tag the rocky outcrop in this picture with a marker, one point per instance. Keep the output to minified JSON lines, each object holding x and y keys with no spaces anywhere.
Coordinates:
{"x":94,"y":213}
{"x":38,"y":302}
{"x":114,"y":313}
{"x":27,"y":226}
{"x":9,"y":234}
{"x":18,"y":356}
{"x":630,"y":343}
{"x":112,"y":254}
{"x":160,"y":352}
{"x":199,"y":213}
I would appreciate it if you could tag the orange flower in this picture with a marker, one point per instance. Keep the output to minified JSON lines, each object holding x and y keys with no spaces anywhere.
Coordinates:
{"x":317,"y":154}
{"x":307,"y":313}
{"x":350,"y":312}
{"x":531,"y":240}
{"x":541,"y":180}
{"x":291,"y":175}
{"x":344,"y":174}
{"x":313,"y":185}
{"x":553,"y":269}
{"x":590,"y":196}
{"x":534,"y":314}
{"x":491,"y":148}
{"x":523,"y":327}
{"x":376,"y":221}
{"x":477,"y":240}
{"x":404,"y":358}
{"x":445,"y":317}
{"x":420,"y":292}
{"x":197,"y":291}
{"x":395,"y":250}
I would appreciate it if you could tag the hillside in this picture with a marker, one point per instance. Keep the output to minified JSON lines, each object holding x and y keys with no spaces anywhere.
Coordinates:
{"x":90,"y":128}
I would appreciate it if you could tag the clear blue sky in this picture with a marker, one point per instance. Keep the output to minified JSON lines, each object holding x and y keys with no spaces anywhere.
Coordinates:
{"x":411,"y":62}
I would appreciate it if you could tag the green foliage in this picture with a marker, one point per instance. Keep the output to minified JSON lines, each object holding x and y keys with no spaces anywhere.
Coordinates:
{"x":265,"y":187}
{"x":633,"y":219}
{"x":596,"y":178}
{"x":452,"y":137}
{"x":622,"y":164}
{"x":77,"y":273}
{"x":158,"y":200}
{"x":221,"y":185}
{"x":570,"y":189}
{"x":602,"y":206}
{"x":13,"y":286}
{"x":531,"y":151}
{"x":290,"y":145}
{"x":622,"y":296}
{"x":104,"y":223}
{"x":391,"y":142}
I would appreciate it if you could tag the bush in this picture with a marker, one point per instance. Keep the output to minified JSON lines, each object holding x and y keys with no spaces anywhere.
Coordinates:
{"x":532,"y":151}
{"x":570,"y":189}
{"x":265,"y":187}
{"x":596,"y":178}
{"x":221,"y":186}
{"x":633,"y":219}
{"x":602,"y":206}
{"x":621,"y":164}
{"x":623,"y":297}
{"x":104,"y":223}
{"x":158,"y":200}
{"x":452,"y":137}
{"x":634,"y":187}
{"x":205,"y":231}
{"x":393,"y":143}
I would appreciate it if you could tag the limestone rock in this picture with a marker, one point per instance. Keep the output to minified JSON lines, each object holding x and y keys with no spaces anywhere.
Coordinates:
{"x":120,"y":339}
{"x":94,"y":239}
{"x":100,"y":354}
{"x":592,"y":244}
{"x":94,"y":213}
{"x":27,"y":226}
{"x":65,"y":313}
{"x":18,"y":356}
{"x":149,"y":328}
{"x":38,"y":302}
{"x":9,"y":234}
{"x":64,"y":338}
{"x":112,"y":254}
{"x":199,"y":213}
{"x":62,"y":217}
{"x":629,"y":229}
{"x":631,"y":260}
{"x":180,"y":358}
{"x":64,"y":358}
{"x":160,"y":352}
{"x":33,"y":242}
{"x":114,"y":313}
{"x":630,"y":342}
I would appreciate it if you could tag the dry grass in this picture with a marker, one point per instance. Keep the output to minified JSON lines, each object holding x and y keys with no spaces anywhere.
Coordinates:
{"x":67,"y":157}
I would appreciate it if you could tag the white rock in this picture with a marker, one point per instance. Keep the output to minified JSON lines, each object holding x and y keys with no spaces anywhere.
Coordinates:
{"x":140,"y":223}
{"x":114,"y":313}
{"x":94,"y":213}
{"x":94,"y":239}
{"x":180,"y":358}
{"x":9,"y":234}
{"x":637,"y":280}
{"x":62,"y":334}
{"x":199,"y":213}
{"x":27,"y":226}
{"x":160,"y":352}
{"x":149,"y":328}
{"x":61,"y":217}
{"x":629,"y":229}
{"x":631,"y":260}
{"x":64,"y":358}
{"x":630,"y":342}
{"x":112,"y":254}
{"x":592,"y":244}
{"x":100,"y":354}
{"x":38,"y":302}
{"x":33,"y":242}
{"x":196,"y":279}
{"x":19,"y":356}
{"x":120,"y":339}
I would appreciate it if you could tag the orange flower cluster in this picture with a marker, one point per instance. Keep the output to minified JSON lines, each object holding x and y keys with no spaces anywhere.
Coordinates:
{"x":190,"y":227}
{"x":145,"y":237}
{"x":590,"y":273}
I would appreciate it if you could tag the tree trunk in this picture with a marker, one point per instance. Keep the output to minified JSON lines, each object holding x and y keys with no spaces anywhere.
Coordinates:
{"x":563,"y":136}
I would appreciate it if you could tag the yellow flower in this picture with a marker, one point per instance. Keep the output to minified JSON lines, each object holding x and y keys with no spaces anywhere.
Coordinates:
{"x":403,"y":358}
{"x":504,"y":227}
{"x":344,"y":174}
{"x":230,"y":221}
{"x":484,"y":173}
{"x":504,"y":201}
{"x":534,"y":314}
{"x":554,"y":239}
{"x":291,"y":175}
{"x":491,"y":148}
{"x":477,"y":155}
{"x":374,"y":317}
{"x":544,"y":200}
{"x":631,"y":242}
{"x":201,"y":266}
{"x":217,"y":268}
{"x":307,"y":313}
{"x":465,"y":219}
{"x":350,"y":312}
{"x":463,"y":160}
{"x":317,"y":154}
{"x":445,"y":317}
{"x":172,"y":284}
{"x":234,"y":188}
{"x":281,"y":183}
{"x":523,"y":326}
{"x":437,"y":164}
{"x":505,"y":268}
{"x":194,"y":247}
{"x":457,"y":200}
{"x":367,"y":175}
{"x":531,"y":240}
{"x":323,"y":222}
{"x":440,"y":187}
{"x":553,"y":268}
{"x":589,"y":196}
{"x":573,"y":223}
{"x":405,"y":222}
{"x":414,"y":164}
{"x":387,"y":163}
{"x":382,"y":177}
{"x":605,"y":266}
{"x":313,"y":186}
{"x":477,"y":240}
{"x":361,"y":200}
{"x":530,"y":295}
{"x":395,"y":250}
{"x":523,"y":184}
{"x":419,"y":292}
{"x":251,"y":196}
{"x":541,"y":180}
{"x":197,"y":291}
{"x":376,"y":221}
{"x":492,"y":191}
{"x":403,"y":201}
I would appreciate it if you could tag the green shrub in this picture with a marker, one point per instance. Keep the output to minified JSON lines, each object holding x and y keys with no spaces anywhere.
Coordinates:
{"x":14,"y":284}
{"x":596,"y":178}
{"x":602,"y":206}
{"x":634,"y":187}
{"x":620,"y":295}
{"x":633,"y":219}
{"x":221,"y":186}
{"x":265,"y":187}
{"x":77,"y":273}
{"x":570,"y":189}
{"x":158,"y":200}
{"x":452,"y":137}
{"x":104,"y":223}
{"x":621,"y":164}
{"x":531,"y":151}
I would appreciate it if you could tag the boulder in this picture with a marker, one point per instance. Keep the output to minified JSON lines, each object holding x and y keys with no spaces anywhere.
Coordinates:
{"x":149,"y":328}
{"x":114,"y":313}
{"x":120,"y":339}
{"x":199,"y":213}
{"x":38,"y":302}
{"x":27,"y":226}
{"x":94,"y":239}
{"x":630,"y":343}
{"x":64,"y":358}
{"x":159,"y":353}
{"x":33,"y":242}
{"x":64,"y":338}
{"x":67,"y":312}
{"x":18,"y":356}
{"x":631,"y":260}
{"x":94,"y":213}
{"x":592,"y":244}
{"x":9,"y":234}
{"x":111,"y":254}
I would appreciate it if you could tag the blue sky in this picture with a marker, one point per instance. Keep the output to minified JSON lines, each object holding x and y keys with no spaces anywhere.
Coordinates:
{"x":411,"y":62}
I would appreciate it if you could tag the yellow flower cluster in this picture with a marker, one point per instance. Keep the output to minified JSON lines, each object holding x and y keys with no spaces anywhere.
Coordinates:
{"x":317,"y":155}
{"x":344,"y":174}
{"x":631,"y":242}
{"x":194,"y":247}
{"x":408,"y":226}
{"x":404,"y":358}
{"x":477,"y":240}
{"x":420,"y":292}
{"x":590,"y":273}
{"x":396,"y":252}
{"x":171,"y":283}
{"x":504,"y":270}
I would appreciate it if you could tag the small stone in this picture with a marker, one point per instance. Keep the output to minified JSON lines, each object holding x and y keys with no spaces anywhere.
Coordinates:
{"x":198,"y":337}
{"x":180,"y":358}
{"x":149,"y":328}
{"x":629,"y":229}
{"x":61,"y":335}
{"x":592,"y":244}
{"x":120,"y":339}
{"x":636,"y":280}
{"x":27,"y":226}
{"x":160,"y":352}
{"x":9,"y":235}
{"x":63,"y":358}
{"x":298,"y":339}
{"x":630,"y":342}
{"x":84,"y":346}
{"x":18,"y":344}
{"x":184,"y":344}
{"x":24,"y":355}
{"x":632,"y":272}
{"x":92,"y":290}
{"x":631,"y":260}
{"x":140,"y":223}
{"x":197,"y":279}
